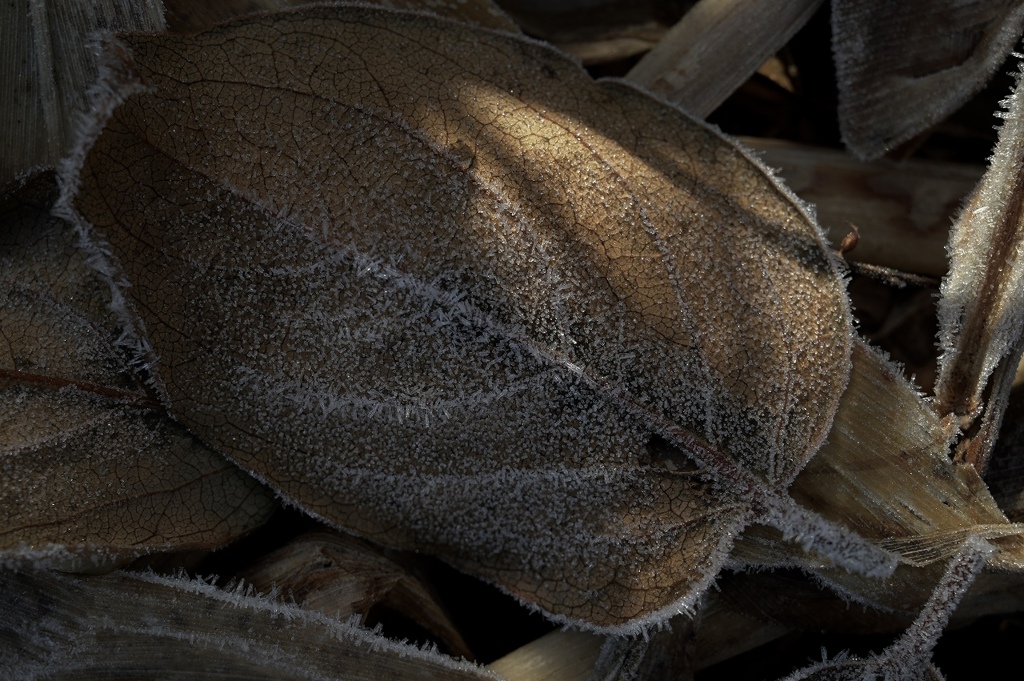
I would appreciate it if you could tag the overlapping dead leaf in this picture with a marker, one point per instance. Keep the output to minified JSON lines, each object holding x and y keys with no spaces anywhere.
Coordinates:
{"x":94,"y":472}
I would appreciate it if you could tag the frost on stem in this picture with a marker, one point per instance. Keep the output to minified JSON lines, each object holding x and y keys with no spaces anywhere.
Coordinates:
{"x":981,"y":312}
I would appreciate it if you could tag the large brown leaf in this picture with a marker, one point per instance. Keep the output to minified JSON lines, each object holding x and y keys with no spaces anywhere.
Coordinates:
{"x":441,"y":289}
{"x":94,"y":472}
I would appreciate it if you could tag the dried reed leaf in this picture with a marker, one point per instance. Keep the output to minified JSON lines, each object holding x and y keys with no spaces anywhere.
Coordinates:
{"x":981,"y":312}
{"x":716,"y":47}
{"x":93,"y":471}
{"x":340,"y":575}
{"x":904,"y":66}
{"x":47,"y":61}
{"x":562,"y":655}
{"x":885,"y":471}
{"x":145,"y":626}
{"x":441,"y":289}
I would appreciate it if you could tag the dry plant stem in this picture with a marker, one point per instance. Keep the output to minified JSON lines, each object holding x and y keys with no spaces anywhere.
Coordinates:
{"x":962,"y":381}
{"x":910,"y":656}
{"x":716,"y":47}
{"x":562,"y":655}
{"x":976,"y":448}
{"x":884,"y":471}
{"x":981,"y":313}
{"x":924,"y":633}
{"x":902,"y":210}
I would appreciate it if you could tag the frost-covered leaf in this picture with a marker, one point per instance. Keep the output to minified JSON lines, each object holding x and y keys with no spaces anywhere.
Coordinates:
{"x":981,"y":312}
{"x":340,"y":575}
{"x":903,"y":66}
{"x":92,"y":469}
{"x":442,"y":290}
{"x":47,"y":60}
{"x":148,"y":627}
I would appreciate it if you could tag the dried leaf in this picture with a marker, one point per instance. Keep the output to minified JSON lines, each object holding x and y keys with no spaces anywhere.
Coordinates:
{"x":562,"y":655}
{"x":933,"y":54}
{"x":885,"y":471}
{"x":340,"y":575}
{"x":46,"y":65}
{"x":145,"y":626}
{"x":441,"y":289}
{"x":981,"y":312}
{"x":94,"y":472}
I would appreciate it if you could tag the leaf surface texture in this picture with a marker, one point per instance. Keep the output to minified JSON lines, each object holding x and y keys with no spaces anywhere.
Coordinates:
{"x":94,"y":470}
{"x":441,"y":289}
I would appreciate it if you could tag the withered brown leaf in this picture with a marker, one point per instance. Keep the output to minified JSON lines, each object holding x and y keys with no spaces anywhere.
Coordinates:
{"x":57,"y":626}
{"x":441,"y":289}
{"x":94,"y":472}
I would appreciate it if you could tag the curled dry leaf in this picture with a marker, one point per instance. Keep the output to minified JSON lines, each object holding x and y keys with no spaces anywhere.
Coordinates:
{"x":93,"y":470}
{"x":441,"y":289}
{"x":48,"y":60}
{"x":935,"y":54}
{"x":981,"y":312}
{"x":56,"y":626}
{"x":340,"y":575}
